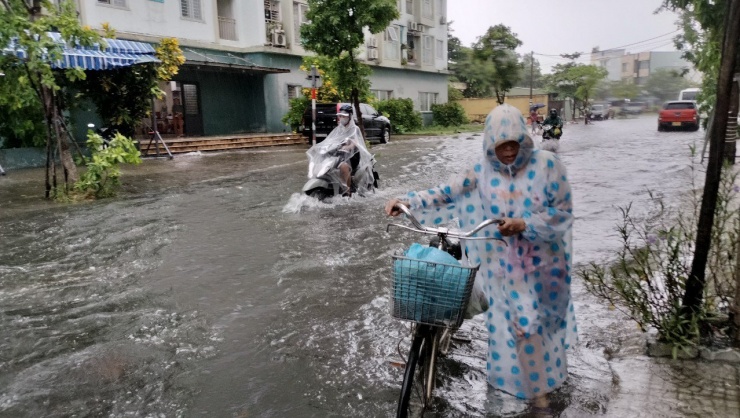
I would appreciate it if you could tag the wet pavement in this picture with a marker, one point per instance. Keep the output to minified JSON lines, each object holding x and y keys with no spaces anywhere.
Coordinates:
{"x":211,"y":288}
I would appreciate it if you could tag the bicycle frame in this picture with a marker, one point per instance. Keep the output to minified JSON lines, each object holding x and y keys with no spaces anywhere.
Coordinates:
{"x":429,"y":339}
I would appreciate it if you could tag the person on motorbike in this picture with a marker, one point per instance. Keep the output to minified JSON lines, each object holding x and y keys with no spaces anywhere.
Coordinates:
{"x":354,"y":161}
{"x":557,"y":124}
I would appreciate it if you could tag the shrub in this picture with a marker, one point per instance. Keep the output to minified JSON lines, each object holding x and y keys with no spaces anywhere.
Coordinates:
{"x":401,"y":113}
{"x":449,"y":114}
{"x":647,"y":281}
{"x":101,"y":179}
{"x":296,"y":108}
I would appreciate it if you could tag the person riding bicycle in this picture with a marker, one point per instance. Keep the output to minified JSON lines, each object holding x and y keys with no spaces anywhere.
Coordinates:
{"x":530,"y":319}
{"x":556,"y":122}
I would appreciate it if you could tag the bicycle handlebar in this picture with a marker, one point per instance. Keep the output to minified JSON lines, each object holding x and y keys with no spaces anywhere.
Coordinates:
{"x":418,"y":227}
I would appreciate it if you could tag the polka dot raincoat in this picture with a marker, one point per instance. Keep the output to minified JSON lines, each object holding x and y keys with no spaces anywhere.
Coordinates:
{"x":526,"y":280}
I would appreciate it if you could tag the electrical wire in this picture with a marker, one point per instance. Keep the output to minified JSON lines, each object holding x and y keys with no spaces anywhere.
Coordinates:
{"x":655,"y":39}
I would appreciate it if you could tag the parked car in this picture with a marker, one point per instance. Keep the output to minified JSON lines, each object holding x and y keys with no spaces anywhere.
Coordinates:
{"x":679,"y":114}
{"x":599,"y":112}
{"x":633,"y":108}
{"x":377,"y":126}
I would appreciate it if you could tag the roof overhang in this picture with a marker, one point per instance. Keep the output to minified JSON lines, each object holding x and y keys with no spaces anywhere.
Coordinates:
{"x":225,"y":61}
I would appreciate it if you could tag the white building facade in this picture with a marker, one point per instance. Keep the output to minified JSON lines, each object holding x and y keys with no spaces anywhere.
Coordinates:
{"x":243,"y":56}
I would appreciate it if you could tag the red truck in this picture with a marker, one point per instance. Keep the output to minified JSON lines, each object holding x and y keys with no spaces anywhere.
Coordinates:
{"x":679,"y":114}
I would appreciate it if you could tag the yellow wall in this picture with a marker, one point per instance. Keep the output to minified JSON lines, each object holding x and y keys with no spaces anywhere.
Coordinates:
{"x":478,"y":109}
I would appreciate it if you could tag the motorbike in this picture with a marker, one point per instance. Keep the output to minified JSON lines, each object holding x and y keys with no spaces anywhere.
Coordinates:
{"x":550,"y":136}
{"x":324,"y":178}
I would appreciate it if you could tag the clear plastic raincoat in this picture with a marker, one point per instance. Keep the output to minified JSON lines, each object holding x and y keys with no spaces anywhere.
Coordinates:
{"x":527,"y":282}
{"x":345,"y":144}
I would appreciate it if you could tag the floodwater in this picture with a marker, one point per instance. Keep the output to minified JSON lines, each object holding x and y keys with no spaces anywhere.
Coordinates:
{"x":211,"y":288}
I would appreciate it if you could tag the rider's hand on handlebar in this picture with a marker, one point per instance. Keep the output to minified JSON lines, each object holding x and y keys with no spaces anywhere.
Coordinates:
{"x":512,"y":226}
{"x":391,"y":209}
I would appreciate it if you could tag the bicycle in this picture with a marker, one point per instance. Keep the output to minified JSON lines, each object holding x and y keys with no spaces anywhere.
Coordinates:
{"x":436,"y":308}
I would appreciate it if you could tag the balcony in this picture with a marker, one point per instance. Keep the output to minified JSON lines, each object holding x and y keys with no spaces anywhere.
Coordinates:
{"x":227,"y":28}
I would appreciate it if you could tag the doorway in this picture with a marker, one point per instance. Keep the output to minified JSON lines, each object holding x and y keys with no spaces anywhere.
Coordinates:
{"x":192,"y":115}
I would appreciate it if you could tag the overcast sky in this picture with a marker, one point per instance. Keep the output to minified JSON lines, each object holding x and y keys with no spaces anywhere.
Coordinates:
{"x":565,"y":26}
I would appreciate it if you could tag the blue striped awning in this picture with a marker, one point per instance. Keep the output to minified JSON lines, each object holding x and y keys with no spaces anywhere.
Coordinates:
{"x":117,"y":53}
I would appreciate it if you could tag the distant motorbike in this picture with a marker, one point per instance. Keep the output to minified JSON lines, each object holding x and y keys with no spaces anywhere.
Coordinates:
{"x":324,"y":179}
{"x":550,"y":138}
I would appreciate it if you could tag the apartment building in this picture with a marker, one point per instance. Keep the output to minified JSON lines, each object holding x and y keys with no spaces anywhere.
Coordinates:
{"x":243,"y":56}
{"x":637,"y":67}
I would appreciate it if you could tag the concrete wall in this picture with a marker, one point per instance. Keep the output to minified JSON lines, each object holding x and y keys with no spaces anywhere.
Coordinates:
{"x":478,"y":109}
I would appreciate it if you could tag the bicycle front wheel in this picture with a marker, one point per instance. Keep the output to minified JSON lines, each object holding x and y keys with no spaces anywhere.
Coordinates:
{"x":414,"y":396}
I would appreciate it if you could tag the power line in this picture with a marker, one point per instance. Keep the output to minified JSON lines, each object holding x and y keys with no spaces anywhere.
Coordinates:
{"x":617,"y":47}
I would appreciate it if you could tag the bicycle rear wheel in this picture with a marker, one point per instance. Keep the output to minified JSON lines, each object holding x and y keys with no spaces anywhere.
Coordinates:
{"x":414,"y":396}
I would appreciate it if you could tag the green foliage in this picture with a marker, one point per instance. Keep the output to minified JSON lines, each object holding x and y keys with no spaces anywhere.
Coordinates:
{"x":491,"y":66}
{"x":21,"y":113}
{"x":123,"y":96}
{"x":702,"y":22}
{"x":102,"y":177}
{"x":648,"y":278}
{"x":454,"y":94}
{"x":401,"y":113}
{"x":578,"y":81}
{"x":665,"y":84}
{"x":449,"y":114}
{"x":532,"y":71}
{"x":296,"y":107}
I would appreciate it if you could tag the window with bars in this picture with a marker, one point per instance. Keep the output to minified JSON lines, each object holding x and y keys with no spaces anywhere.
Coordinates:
{"x":272,"y":10}
{"x":392,"y":43}
{"x":382,"y":94}
{"x":299,"y":19}
{"x":428,"y":54}
{"x":191,"y":9}
{"x":426,"y":100}
{"x":117,"y":3}
{"x":294,"y":91}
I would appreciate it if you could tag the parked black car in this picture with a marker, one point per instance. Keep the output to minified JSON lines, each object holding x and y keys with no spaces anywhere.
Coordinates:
{"x":377,"y":126}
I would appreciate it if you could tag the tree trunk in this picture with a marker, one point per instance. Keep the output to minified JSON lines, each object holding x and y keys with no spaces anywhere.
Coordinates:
{"x":736,"y":309}
{"x":695,"y":284}
{"x":731,"y":144}
{"x":356,"y":103}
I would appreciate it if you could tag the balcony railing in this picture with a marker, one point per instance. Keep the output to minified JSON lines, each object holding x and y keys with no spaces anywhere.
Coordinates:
{"x":227,"y":28}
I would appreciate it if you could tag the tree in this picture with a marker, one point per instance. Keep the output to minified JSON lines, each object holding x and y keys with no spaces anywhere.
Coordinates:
{"x":28,"y":29}
{"x":624,"y":89}
{"x":577,"y":81}
{"x":336,"y":30}
{"x":532,"y":71}
{"x":710,"y":41}
{"x":665,"y":84}
{"x":497,"y":47}
{"x":454,"y":45}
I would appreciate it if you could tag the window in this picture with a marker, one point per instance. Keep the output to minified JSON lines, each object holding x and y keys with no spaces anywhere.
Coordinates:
{"x":624,"y":67}
{"x":369,"y":110}
{"x":410,"y":6}
{"x":392,"y":45}
{"x":440,"y":49}
{"x":426,"y":100}
{"x":117,"y":3}
{"x":299,"y":19}
{"x":428,"y":54}
{"x":191,"y":9}
{"x":272,"y":10}
{"x":426,"y":9}
{"x":294,"y":91}
{"x":382,"y":94}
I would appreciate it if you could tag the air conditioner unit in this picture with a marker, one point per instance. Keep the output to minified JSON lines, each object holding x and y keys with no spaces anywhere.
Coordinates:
{"x":413,"y":26}
{"x":442,"y":20}
{"x":278,"y":37}
{"x":372,"y":54}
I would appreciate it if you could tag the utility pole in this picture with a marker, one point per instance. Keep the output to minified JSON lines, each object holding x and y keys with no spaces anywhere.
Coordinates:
{"x":314,"y":77}
{"x":531,"y":77}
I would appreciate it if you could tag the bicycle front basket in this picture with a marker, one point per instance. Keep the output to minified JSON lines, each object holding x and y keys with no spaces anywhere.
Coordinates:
{"x":430,"y":293}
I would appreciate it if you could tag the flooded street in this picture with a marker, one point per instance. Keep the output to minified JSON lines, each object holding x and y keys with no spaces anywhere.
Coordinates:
{"x":210,"y":288}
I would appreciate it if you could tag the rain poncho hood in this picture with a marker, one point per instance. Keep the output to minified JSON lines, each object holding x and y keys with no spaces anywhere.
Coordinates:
{"x":526,"y":278}
{"x":344,"y":144}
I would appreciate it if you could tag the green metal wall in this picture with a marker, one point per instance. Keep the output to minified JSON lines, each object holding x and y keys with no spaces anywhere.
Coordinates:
{"x":230,"y":102}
